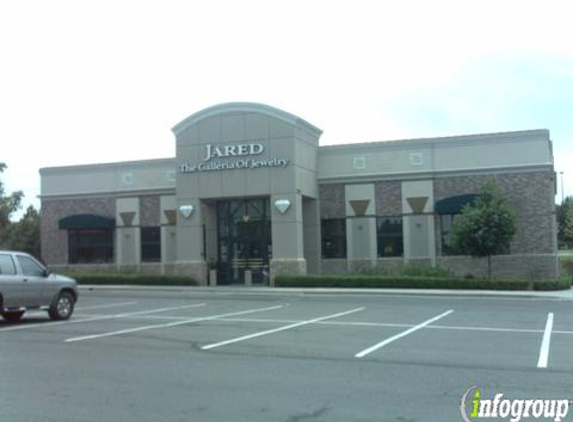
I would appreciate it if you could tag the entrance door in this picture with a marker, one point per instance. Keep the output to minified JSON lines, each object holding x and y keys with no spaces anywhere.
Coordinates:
{"x":244,"y":232}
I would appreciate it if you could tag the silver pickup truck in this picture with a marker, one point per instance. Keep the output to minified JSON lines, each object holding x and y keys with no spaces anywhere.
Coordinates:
{"x":26,"y":284}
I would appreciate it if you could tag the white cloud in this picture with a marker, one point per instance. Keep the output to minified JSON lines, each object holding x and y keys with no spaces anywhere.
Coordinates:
{"x":86,"y":82}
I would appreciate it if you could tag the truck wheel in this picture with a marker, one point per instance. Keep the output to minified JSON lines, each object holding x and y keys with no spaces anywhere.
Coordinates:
{"x":63,"y":307}
{"x":12,"y":315}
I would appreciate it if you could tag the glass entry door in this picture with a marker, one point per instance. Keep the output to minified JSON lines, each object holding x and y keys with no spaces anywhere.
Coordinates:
{"x":244,"y":236}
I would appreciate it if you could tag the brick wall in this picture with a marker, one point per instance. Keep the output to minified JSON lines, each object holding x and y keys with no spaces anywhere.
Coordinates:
{"x":388,"y":198}
{"x":533,"y":196}
{"x":149,"y":208}
{"x":55,"y":241}
{"x":332,"y":199}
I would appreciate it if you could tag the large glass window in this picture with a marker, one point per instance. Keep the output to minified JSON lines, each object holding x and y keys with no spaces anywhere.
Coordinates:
{"x":90,"y":246}
{"x":390,"y":237}
{"x":333,"y":238}
{"x":150,"y":244}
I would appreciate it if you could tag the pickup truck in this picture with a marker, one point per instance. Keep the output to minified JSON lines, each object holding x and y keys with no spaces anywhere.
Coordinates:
{"x":26,"y":284}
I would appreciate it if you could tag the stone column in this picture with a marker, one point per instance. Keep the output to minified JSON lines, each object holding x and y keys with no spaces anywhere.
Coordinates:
{"x":128,"y":236}
{"x":287,"y":237}
{"x":190,"y":254}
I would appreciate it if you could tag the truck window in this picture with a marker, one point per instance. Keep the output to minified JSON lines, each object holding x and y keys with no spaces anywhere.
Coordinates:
{"x":29,"y":266}
{"x":7,"y":265}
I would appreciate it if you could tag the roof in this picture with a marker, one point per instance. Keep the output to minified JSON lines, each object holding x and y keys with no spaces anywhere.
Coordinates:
{"x":246,"y":108}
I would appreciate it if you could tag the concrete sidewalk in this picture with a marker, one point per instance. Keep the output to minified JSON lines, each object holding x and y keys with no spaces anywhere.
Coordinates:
{"x":264,"y":290}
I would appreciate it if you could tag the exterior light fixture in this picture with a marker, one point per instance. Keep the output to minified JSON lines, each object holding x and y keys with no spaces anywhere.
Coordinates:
{"x":186,"y":210}
{"x":282,"y":205}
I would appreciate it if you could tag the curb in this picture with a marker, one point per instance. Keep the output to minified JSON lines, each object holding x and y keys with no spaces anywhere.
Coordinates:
{"x":274,"y":291}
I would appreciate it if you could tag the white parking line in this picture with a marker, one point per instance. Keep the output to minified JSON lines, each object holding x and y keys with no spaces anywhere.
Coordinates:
{"x":544,"y":352}
{"x":388,"y":325}
{"x":99,"y":318}
{"x":109,"y":305}
{"x":276,"y":330}
{"x":402,"y":334}
{"x":170,"y":324}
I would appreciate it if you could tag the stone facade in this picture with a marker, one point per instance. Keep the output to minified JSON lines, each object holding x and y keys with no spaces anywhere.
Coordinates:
{"x":332,"y":199}
{"x":286,"y":267}
{"x":531,"y":193}
{"x":388,"y":198}
{"x":539,"y":266}
{"x":253,"y":152}
{"x":55,"y":241}
{"x":149,"y":208}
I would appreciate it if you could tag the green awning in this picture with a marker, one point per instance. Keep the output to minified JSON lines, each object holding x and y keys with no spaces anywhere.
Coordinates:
{"x":86,"y":221}
{"x":454,"y":204}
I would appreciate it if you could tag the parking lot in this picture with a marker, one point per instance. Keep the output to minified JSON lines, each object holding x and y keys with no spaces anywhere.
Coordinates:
{"x":241,"y":356}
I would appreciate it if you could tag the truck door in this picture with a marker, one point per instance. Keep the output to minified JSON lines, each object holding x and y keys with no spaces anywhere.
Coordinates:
{"x":10,"y":282}
{"x":33,"y":276}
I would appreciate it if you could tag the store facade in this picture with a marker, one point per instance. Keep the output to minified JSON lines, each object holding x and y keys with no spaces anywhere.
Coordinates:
{"x":251,"y":195}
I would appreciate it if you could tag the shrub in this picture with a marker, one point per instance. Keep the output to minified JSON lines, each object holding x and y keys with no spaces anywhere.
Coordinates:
{"x":412,"y":282}
{"x":566,"y":265}
{"x":411,"y":269}
{"x":545,"y":285}
{"x":132,"y":279}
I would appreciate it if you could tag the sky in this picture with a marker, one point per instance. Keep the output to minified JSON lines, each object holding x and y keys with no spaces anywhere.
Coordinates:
{"x":103,"y":81}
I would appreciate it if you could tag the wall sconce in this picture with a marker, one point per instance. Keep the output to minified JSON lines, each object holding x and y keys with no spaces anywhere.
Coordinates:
{"x":186,"y":210}
{"x":282,"y":205}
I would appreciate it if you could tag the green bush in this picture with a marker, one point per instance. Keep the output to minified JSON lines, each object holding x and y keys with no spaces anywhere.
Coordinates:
{"x":545,"y":285}
{"x":412,"y":282}
{"x":132,"y":279}
{"x":566,"y":265}
{"x":411,"y":269}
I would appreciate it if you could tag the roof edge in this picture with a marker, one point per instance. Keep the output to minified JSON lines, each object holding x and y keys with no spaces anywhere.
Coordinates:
{"x":488,"y":136}
{"x":244,"y":107}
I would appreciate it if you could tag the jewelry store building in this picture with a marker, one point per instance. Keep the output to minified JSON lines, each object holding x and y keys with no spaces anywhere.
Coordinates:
{"x":250,"y":195}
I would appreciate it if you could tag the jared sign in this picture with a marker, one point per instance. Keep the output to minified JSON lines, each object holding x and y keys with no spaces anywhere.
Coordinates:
{"x":214,"y":151}
{"x":220,"y":157}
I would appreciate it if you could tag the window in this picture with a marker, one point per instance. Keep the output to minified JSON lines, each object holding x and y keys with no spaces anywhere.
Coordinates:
{"x":90,"y":246}
{"x":333,"y":238}
{"x":390,"y":237}
{"x":150,"y":244}
{"x":446,"y":222}
{"x":30,"y":267}
{"x":7,"y":265}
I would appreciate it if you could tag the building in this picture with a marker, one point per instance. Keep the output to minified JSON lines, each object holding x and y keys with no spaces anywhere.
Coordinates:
{"x":250,"y":192}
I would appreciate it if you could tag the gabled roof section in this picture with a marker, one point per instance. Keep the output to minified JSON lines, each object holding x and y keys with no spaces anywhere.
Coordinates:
{"x":246,"y":108}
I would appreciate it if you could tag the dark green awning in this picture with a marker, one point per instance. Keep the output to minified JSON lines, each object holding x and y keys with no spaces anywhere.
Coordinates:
{"x":86,"y":221}
{"x":454,"y":204}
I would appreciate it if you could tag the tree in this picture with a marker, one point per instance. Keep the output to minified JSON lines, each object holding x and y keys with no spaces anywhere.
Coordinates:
{"x":8,"y":204}
{"x":487,"y":226}
{"x":565,"y":222}
{"x":23,"y":235}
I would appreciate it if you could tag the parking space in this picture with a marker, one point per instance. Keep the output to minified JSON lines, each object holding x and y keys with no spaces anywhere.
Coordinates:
{"x":383,"y":328}
{"x":218,"y":333}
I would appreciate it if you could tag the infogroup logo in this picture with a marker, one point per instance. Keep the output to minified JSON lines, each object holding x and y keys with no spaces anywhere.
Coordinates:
{"x":474,"y":407}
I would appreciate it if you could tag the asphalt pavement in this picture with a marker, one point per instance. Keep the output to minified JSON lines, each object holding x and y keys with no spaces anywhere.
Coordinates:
{"x":228,"y":354}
